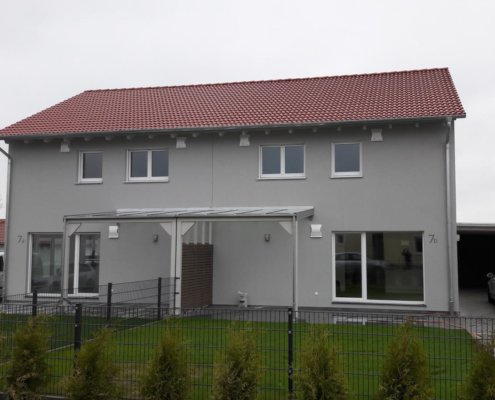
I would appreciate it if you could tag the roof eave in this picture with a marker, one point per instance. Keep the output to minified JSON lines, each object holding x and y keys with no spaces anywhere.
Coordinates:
{"x":302,"y":125}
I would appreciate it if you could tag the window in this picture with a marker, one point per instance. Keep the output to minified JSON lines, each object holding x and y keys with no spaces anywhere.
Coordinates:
{"x":45,"y":261}
{"x":378,"y":266}
{"x":346,"y":160}
{"x":84,"y":263}
{"x":282,"y":161}
{"x":147,"y":165}
{"x":90,"y":167}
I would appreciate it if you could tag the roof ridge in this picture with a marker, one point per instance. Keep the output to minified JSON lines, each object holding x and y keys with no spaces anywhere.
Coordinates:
{"x":267,"y":80}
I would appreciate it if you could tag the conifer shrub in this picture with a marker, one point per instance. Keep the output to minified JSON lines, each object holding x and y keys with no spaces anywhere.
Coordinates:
{"x":27,"y":372}
{"x":480,"y":383}
{"x":167,"y":377}
{"x":236,"y":375}
{"x":405,"y":373}
{"x":320,"y":376}
{"x":94,"y":371}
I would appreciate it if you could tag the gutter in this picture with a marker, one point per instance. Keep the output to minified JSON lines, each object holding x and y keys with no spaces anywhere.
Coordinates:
{"x":450,"y":242}
{"x":7,"y":223}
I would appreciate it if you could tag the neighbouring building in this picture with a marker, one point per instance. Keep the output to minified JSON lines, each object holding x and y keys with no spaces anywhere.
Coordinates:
{"x":319,"y":192}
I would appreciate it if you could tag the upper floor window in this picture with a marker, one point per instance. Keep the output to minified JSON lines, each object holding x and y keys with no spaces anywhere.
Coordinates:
{"x":346,"y":160}
{"x":147,"y":165}
{"x":282,"y":161}
{"x":90,"y":167}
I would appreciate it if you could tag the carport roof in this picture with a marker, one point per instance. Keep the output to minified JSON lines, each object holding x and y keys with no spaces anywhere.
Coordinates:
{"x":199,"y":212}
{"x":475,"y":228}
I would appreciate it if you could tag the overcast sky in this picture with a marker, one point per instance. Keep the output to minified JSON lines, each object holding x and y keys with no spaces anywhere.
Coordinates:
{"x":53,"y":49}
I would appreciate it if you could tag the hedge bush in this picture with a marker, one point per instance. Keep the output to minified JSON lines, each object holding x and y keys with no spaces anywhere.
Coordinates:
{"x":94,"y":371}
{"x":405,"y":373}
{"x":167,"y":377}
{"x":320,"y":376}
{"x":237,"y":372}
{"x":480,"y":383}
{"x":27,"y":372}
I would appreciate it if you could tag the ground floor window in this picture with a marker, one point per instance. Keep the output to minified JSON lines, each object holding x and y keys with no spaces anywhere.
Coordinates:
{"x":46,"y":262}
{"x":84,"y":264}
{"x":386,"y":266}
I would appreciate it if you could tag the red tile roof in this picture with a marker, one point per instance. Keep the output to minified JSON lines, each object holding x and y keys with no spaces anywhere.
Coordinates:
{"x":2,"y":231}
{"x":403,"y":95}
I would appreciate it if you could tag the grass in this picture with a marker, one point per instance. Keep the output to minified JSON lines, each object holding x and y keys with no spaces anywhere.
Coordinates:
{"x":361,"y":349}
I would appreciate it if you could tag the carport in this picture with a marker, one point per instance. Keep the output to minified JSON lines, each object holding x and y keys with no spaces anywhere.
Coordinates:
{"x":476,"y":257}
{"x":206,"y":245}
{"x":476,"y":254}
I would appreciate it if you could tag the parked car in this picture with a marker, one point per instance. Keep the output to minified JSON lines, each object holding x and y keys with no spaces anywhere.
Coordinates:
{"x":349,"y":265}
{"x":491,"y":287}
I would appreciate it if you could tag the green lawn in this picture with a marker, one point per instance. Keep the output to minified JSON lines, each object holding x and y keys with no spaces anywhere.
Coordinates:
{"x":361,"y":350}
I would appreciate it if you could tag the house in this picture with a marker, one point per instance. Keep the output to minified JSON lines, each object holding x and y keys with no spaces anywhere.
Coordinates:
{"x":320,"y":192}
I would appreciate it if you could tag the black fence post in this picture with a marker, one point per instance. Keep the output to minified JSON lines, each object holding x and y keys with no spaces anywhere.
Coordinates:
{"x":159,"y":303}
{"x":175,"y":293}
{"x":78,"y":327}
{"x":109,"y":302}
{"x":290,"y":333}
{"x":34,"y":307}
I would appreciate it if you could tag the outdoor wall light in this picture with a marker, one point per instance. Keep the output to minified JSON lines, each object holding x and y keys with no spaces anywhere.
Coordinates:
{"x":113,"y":231}
{"x":155,"y":238}
{"x":267,"y":237}
{"x":316,"y":231}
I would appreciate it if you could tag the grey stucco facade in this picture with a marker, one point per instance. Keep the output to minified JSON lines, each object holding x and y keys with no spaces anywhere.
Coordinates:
{"x":403,"y":188}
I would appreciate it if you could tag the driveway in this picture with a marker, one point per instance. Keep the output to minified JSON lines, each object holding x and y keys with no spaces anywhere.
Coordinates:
{"x":474,"y":303}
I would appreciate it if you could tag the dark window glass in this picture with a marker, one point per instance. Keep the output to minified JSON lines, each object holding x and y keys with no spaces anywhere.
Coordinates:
{"x":394,"y":266}
{"x":159,"y":163}
{"x":139,"y":164}
{"x":88,"y":264}
{"x":348,"y":265}
{"x":347,"y":157}
{"x":294,"y":159}
{"x":46,"y":263}
{"x":92,"y":165}
{"x":270,"y":158}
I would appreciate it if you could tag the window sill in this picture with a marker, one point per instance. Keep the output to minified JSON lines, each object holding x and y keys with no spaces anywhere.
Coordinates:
{"x":83,"y":295}
{"x":333,"y":176}
{"x":379,"y":302}
{"x":89,"y":182}
{"x":280,"y":178}
{"x":147,"y":181}
{"x":45,"y":295}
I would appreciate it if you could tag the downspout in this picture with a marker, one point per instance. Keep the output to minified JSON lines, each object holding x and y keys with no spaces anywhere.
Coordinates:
{"x":450,"y":244}
{"x":295,"y":265}
{"x":64,"y":294}
{"x":7,"y":220}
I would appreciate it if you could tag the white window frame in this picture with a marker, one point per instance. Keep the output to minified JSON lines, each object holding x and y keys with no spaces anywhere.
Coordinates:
{"x":282,"y":174}
{"x":349,"y":174}
{"x":30,"y":264}
{"x":364,"y":286}
{"x":77,"y":250}
{"x":148,"y":177}
{"x":80,"y":168}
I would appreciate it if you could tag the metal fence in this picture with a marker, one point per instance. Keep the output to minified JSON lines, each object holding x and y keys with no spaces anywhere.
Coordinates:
{"x":157,"y":292}
{"x":280,"y":334}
